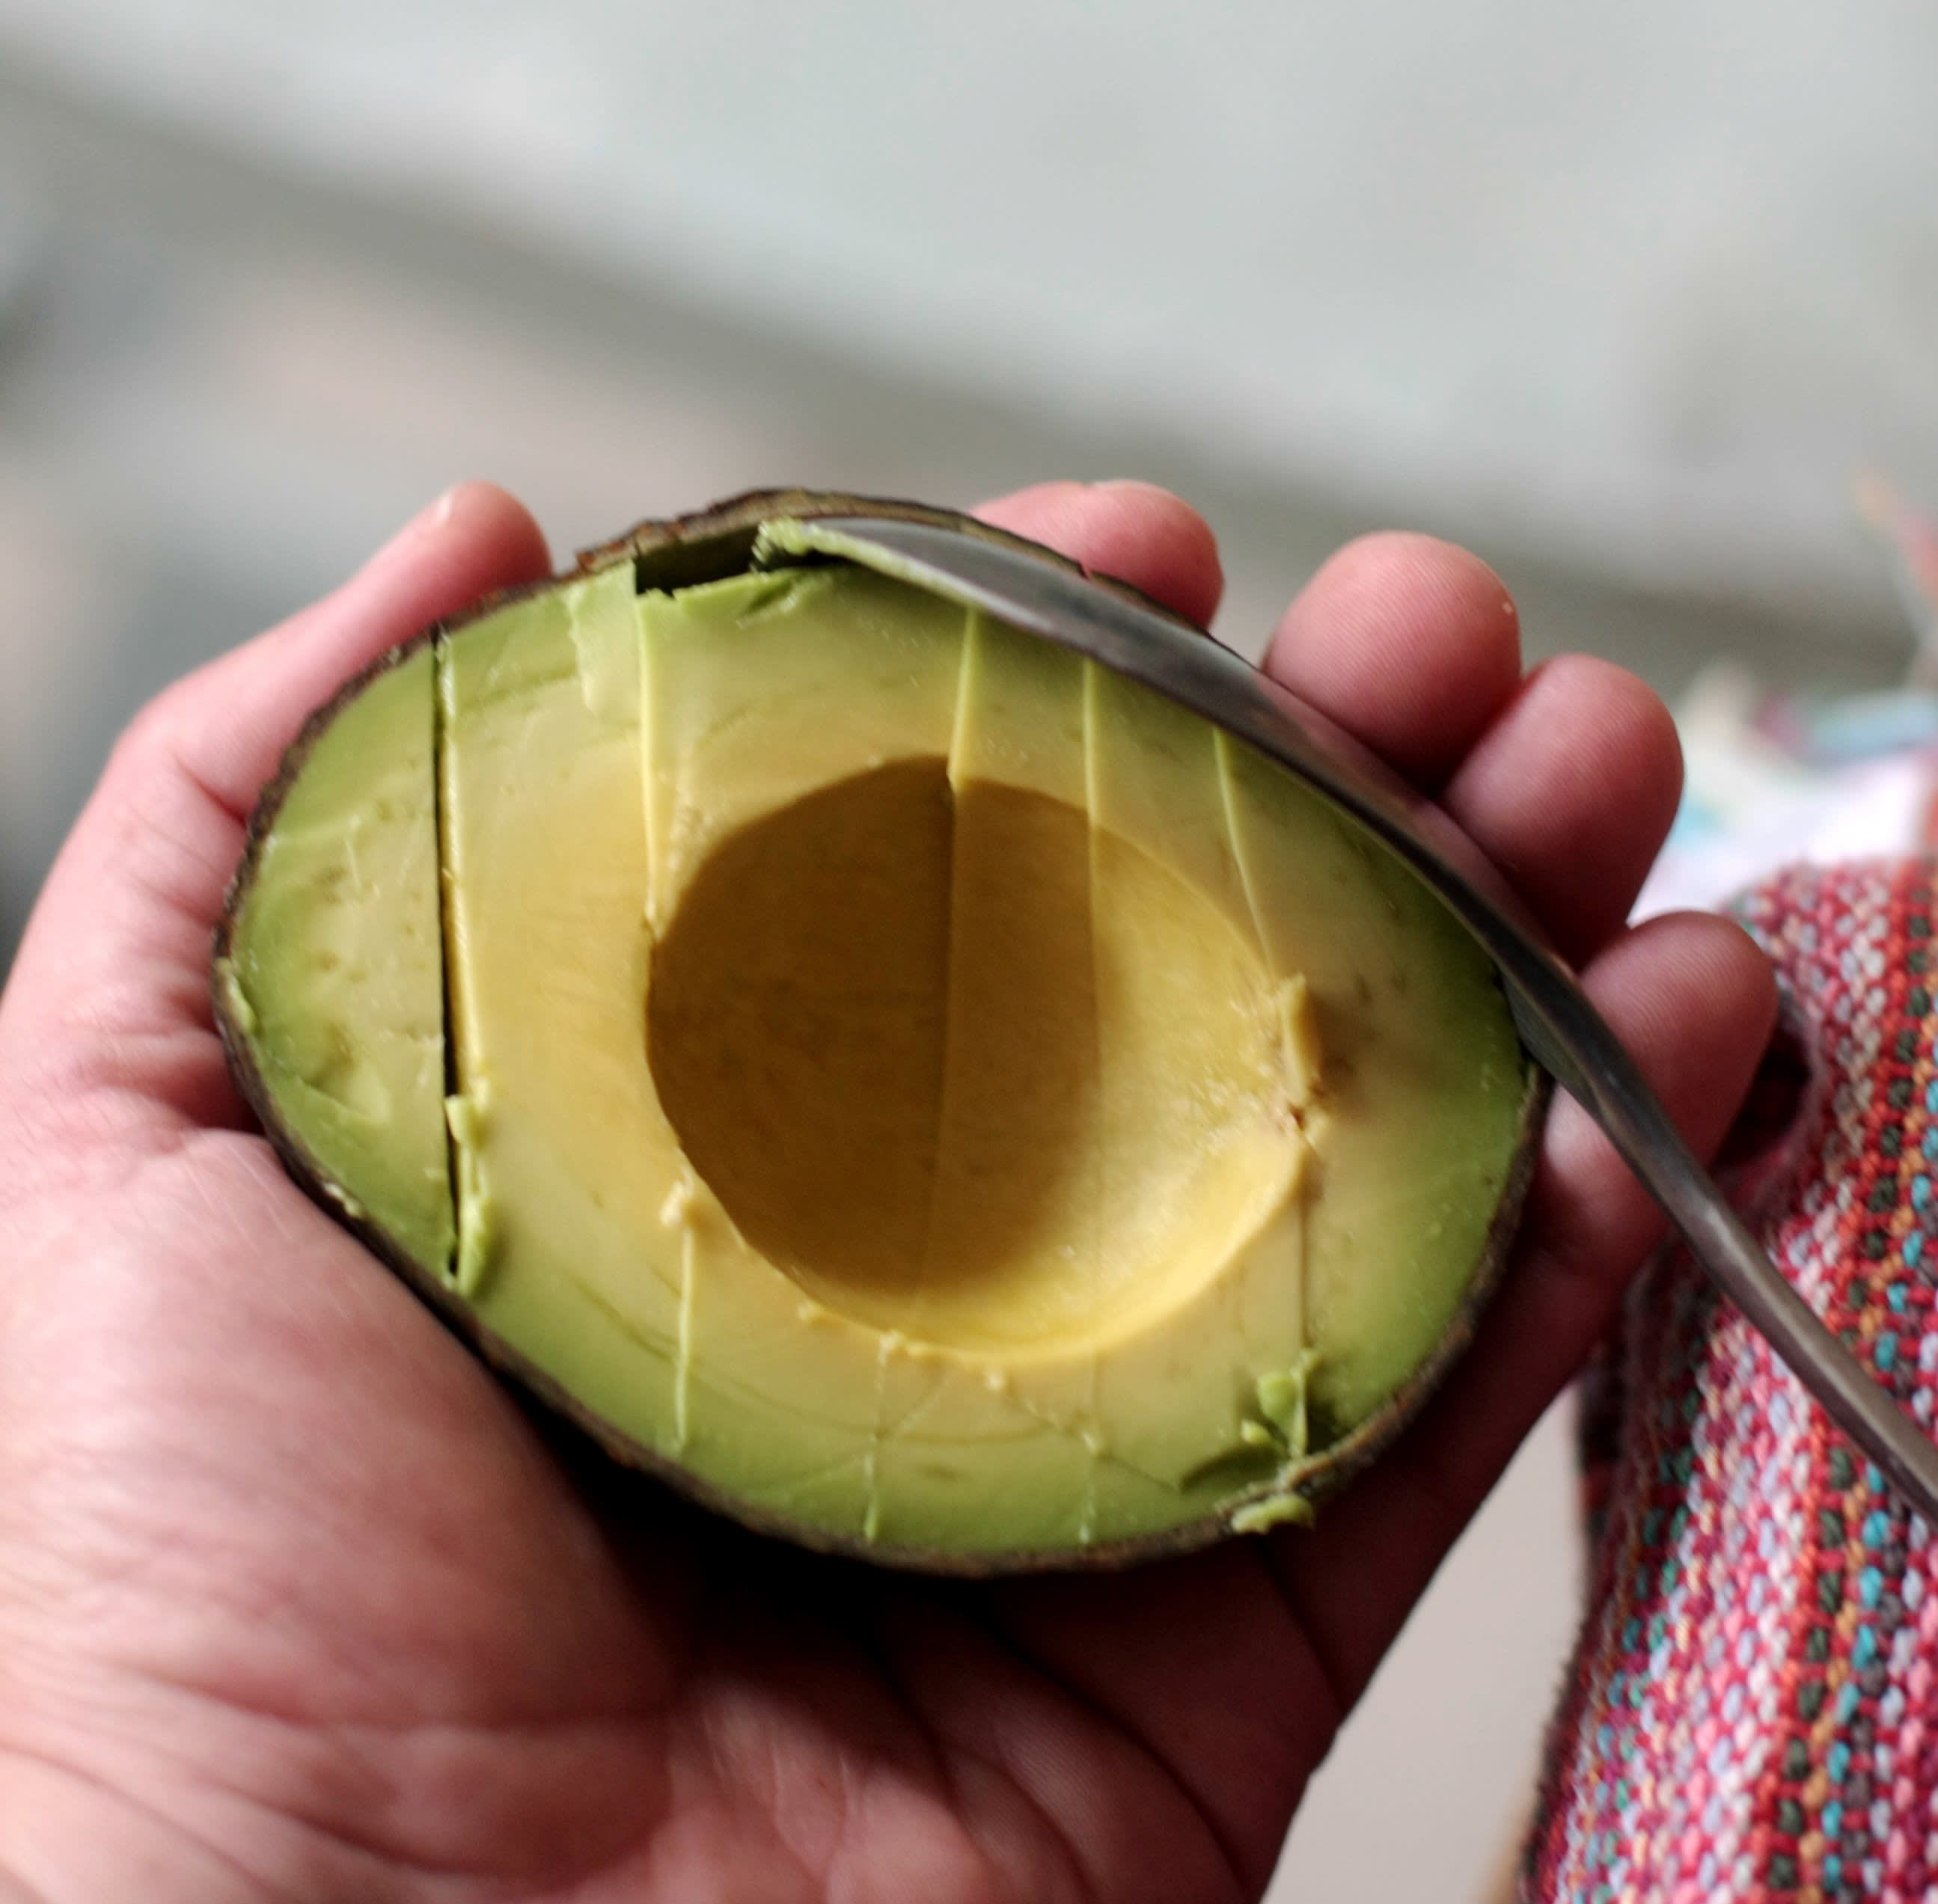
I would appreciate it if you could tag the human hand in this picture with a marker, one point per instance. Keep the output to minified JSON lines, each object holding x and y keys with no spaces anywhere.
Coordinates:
{"x":297,"y":1601}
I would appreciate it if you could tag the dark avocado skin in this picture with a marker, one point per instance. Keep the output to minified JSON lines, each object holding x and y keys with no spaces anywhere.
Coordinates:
{"x":712,"y":545}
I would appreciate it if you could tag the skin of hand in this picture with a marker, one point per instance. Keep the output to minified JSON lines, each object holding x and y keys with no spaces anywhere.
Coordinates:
{"x":296,"y":1602}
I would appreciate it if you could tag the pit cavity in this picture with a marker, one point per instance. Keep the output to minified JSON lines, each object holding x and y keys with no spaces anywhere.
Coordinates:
{"x":967,"y":1067}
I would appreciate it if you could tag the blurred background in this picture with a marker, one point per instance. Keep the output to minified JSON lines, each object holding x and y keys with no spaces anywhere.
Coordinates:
{"x":1621,"y":297}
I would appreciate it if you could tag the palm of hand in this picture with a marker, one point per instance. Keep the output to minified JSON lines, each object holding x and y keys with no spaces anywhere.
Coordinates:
{"x":295,"y":1600}
{"x":285,"y":1531}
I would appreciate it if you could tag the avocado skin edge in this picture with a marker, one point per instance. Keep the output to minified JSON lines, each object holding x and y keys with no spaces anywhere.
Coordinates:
{"x":711,"y":544}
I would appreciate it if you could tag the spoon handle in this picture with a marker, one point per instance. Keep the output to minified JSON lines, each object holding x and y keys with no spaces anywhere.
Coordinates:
{"x":1590,"y":1064}
{"x":1559,"y":1026}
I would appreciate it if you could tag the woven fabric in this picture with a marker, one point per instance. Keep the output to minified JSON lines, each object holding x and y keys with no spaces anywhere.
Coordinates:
{"x":1752,"y":1711}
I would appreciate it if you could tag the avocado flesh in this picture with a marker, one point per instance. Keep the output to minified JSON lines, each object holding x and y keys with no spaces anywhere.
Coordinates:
{"x":928,"y":1090}
{"x":335,"y":965}
{"x":1422,"y":1084}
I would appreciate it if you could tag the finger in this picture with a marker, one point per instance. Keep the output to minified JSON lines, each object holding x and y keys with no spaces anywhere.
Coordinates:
{"x":1694,"y":1001}
{"x":1408,"y":642}
{"x":110,"y":982}
{"x":231,"y":721}
{"x":1134,"y":531}
{"x":1567,"y":780}
{"x":1570,"y":791}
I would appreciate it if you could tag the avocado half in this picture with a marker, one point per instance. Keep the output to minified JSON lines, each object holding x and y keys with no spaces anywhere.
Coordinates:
{"x":914,"y":1090}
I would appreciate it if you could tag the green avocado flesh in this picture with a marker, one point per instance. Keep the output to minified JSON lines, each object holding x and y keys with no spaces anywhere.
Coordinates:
{"x":932,"y":1095}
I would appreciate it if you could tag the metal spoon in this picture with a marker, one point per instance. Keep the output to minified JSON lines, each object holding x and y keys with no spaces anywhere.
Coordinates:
{"x":1563,"y":1030}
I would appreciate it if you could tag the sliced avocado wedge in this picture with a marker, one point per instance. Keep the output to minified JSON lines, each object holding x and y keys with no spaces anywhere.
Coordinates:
{"x":918,"y":1092}
{"x":331,"y":977}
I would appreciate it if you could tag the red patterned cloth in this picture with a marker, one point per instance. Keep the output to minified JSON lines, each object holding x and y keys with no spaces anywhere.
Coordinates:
{"x":1752,"y":1711}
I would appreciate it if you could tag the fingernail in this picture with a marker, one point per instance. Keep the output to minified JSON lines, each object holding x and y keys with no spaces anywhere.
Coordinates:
{"x":1136,"y":485}
{"x":430,"y":520}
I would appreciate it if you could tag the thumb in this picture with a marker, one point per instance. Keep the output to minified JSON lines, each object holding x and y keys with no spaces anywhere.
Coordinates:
{"x":105,"y":1024}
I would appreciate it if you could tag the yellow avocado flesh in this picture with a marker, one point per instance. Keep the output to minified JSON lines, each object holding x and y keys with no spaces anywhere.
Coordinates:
{"x":929,"y":1089}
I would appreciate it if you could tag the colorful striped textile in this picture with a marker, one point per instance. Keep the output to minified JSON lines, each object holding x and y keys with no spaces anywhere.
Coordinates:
{"x":1752,"y":1711}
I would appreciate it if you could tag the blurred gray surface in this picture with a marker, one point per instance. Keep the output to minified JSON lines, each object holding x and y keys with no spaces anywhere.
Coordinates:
{"x":230,"y":364}
{"x":1636,"y":284}
{"x":221,"y":384}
